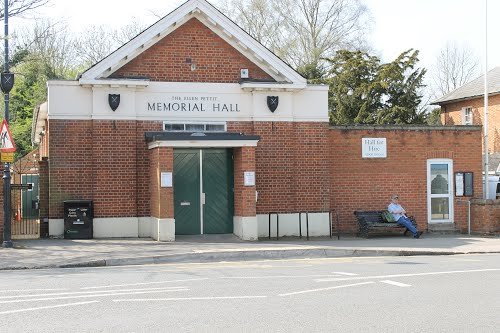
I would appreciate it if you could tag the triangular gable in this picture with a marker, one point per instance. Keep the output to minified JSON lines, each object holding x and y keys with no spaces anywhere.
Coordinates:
{"x":215,"y":21}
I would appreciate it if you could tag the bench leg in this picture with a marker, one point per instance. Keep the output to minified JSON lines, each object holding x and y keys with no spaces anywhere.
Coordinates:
{"x":363,"y":232}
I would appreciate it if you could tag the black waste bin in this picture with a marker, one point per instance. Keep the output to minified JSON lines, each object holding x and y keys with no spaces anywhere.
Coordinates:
{"x":78,"y":219}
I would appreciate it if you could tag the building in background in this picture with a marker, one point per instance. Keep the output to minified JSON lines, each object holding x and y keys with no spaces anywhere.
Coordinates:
{"x":465,"y":106}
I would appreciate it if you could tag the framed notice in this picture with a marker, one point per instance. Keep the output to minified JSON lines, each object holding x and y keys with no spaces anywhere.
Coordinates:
{"x":464,"y":184}
{"x":459,"y":184}
{"x":468,"y":184}
{"x":166,"y":179}
{"x":249,"y":178}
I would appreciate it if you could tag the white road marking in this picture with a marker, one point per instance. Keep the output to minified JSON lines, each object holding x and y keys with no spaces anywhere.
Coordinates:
{"x":406,"y":275}
{"x":323,"y":289}
{"x":277,"y":276}
{"x":47,"y":307}
{"x":187,"y":298}
{"x":87,"y":292}
{"x":394,"y":283}
{"x":29,"y":290}
{"x":143,"y":283}
{"x":344,"y":273}
{"x":89,"y":296}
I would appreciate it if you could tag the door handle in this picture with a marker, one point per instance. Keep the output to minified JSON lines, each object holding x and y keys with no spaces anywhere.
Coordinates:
{"x":185,"y":203}
{"x":203,"y":198}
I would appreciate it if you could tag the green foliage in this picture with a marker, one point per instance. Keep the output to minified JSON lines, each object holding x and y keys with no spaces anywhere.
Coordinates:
{"x":32,"y":70}
{"x":364,"y":91}
{"x":434,"y":117}
{"x":313,"y":72}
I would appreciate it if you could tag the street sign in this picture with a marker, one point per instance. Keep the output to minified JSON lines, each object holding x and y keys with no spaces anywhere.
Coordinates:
{"x":6,"y":157}
{"x":7,"y":144}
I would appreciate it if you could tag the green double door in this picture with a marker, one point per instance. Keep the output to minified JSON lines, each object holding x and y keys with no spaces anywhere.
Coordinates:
{"x":203,"y":191}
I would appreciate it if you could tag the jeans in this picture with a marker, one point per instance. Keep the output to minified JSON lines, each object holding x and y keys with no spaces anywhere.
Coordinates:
{"x":406,"y":222}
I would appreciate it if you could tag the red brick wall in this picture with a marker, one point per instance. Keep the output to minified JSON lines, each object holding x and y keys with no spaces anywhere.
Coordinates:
{"x":453,"y":116}
{"x":104,"y":161}
{"x":244,"y":196}
{"x":366,"y":184}
{"x":114,"y":171}
{"x":215,"y":60}
{"x":291,"y":165}
{"x":70,"y":163}
{"x":485,"y":216}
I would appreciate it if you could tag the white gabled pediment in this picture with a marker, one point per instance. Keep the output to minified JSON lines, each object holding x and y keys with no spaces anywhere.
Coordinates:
{"x":215,"y":21}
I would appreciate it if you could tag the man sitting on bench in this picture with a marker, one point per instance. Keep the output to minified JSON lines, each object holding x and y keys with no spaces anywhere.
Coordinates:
{"x":400,"y":216}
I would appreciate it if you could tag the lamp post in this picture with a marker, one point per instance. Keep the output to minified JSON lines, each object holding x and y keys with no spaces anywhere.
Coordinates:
{"x":486,"y":157}
{"x":7,"y":82}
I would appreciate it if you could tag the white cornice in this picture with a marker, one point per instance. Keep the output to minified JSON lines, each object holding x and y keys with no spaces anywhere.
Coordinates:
{"x":217,"y":22}
{"x":254,"y":86}
{"x":129,"y":83}
{"x":203,"y":143}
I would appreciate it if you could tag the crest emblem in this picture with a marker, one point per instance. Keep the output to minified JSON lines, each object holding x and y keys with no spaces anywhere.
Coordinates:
{"x":7,"y":82}
{"x":272,"y":102}
{"x":114,"y":101}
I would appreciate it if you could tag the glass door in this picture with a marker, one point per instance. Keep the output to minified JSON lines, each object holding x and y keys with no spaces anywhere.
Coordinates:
{"x":440,"y":191}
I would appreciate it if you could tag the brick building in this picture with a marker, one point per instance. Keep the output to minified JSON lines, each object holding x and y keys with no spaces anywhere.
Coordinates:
{"x":465,"y":106}
{"x":193,"y":127}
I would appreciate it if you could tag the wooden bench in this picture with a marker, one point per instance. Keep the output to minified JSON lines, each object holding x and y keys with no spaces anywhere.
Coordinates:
{"x":373,"y":221}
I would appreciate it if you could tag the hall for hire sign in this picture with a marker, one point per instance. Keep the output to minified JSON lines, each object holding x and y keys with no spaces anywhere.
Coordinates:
{"x":374,"y":148}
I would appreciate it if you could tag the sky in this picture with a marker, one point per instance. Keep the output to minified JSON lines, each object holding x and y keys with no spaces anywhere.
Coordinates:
{"x":397,"y":25}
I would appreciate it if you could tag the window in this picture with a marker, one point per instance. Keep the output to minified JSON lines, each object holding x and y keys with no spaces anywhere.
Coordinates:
{"x":467,"y":116}
{"x":194,"y":127}
{"x":440,"y":190}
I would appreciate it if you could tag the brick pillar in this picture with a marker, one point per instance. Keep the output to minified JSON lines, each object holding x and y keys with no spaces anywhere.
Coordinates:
{"x":245,"y":219}
{"x":162,"y":198}
{"x":43,"y":186}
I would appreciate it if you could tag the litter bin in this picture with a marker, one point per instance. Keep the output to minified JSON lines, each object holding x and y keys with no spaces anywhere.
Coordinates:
{"x":78,"y":219}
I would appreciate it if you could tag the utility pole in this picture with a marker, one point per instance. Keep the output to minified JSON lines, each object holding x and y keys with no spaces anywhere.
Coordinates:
{"x":486,"y":157}
{"x":7,"y":82}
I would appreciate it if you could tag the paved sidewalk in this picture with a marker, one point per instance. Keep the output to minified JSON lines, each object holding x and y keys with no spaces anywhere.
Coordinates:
{"x":51,"y":253}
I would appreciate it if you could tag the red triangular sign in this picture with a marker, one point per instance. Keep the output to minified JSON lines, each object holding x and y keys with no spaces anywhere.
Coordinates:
{"x":7,"y":144}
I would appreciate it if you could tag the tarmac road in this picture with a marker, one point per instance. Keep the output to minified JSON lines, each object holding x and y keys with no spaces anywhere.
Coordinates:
{"x":458,"y":293}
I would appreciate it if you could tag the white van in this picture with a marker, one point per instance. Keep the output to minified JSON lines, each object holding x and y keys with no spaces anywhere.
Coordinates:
{"x":493,"y":187}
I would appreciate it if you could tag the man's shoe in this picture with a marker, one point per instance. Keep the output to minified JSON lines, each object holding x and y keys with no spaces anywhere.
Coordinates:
{"x":419,"y":233}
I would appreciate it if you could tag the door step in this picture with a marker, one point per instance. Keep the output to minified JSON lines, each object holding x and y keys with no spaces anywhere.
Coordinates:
{"x":442,"y":228}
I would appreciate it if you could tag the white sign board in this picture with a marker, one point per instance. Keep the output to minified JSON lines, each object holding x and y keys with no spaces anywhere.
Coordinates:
{"x":166,"y":179}
{"x":374,"y":148}
{"x":459,"y":184}
{"x":249,"y":178}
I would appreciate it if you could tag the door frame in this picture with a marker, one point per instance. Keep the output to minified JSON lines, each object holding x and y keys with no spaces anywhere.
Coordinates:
{"x":202,"y":194}
{"x":450,"y":194}
{"x":201,"y":189}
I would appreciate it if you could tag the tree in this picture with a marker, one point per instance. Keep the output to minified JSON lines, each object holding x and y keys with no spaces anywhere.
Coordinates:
{"x":302,"y":32}
{"x":41,"y":53}
{"x":98,"y":41}
{"x":19,"y":7}
{"x":454,"y":67}
{"x":434,"y":117}
{"x":364,"y":91}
